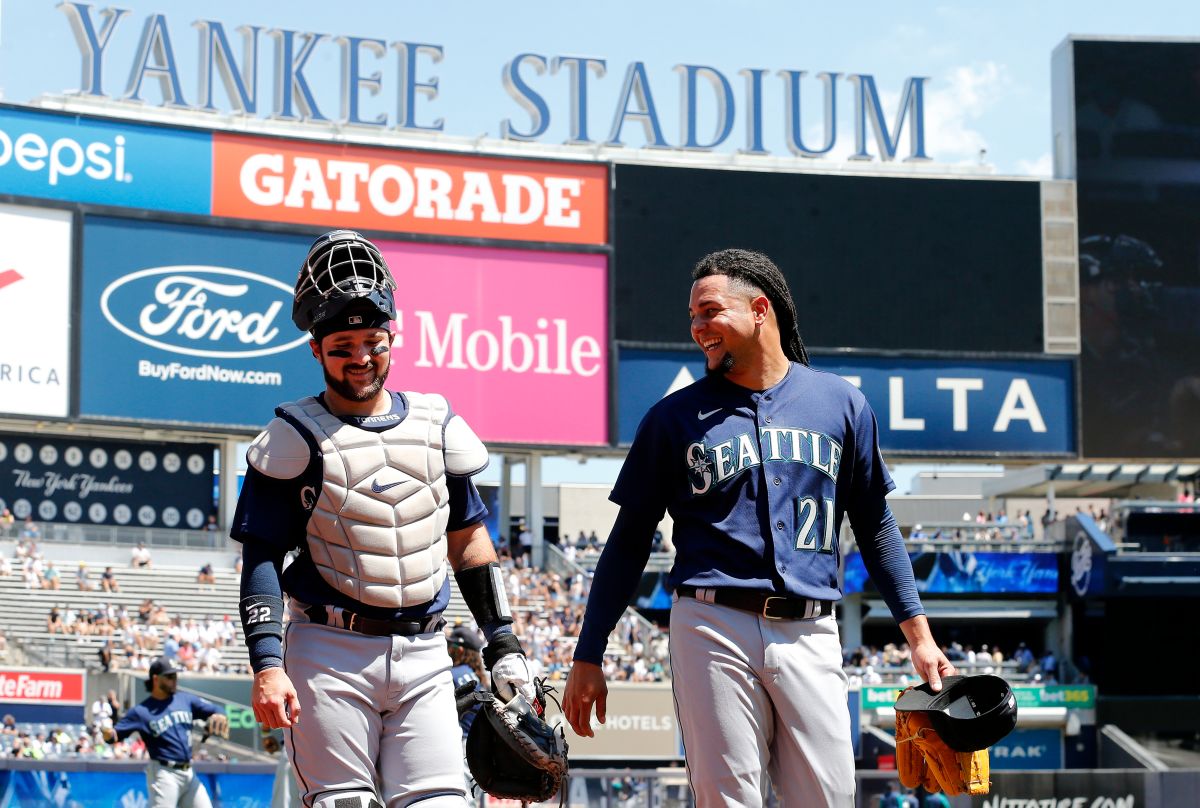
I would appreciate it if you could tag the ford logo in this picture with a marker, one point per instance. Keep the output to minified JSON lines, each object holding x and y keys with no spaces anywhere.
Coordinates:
{"x":202,"y":311}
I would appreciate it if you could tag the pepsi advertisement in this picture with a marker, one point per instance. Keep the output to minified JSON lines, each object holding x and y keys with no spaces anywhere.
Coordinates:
{"x":923,"y":406}
{"x":105,"y":482}
{"x":968,"y":573}
{"x":105,"y":162}
{"x":190,"y":325}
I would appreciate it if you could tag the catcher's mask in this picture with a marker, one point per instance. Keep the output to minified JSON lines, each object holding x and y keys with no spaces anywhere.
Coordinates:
{"x":344,"y":283}
{"x":970,"y":713}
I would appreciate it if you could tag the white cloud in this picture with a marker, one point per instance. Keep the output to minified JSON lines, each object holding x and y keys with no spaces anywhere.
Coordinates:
{"x":1041,"y":167}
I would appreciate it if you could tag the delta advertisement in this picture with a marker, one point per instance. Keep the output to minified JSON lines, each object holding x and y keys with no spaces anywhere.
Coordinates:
{"x":35,"y":311}
{"x":964,"y":572}
{"x":81,"y":481}
{"x":194,"y":327}
{"x":925,"y":406}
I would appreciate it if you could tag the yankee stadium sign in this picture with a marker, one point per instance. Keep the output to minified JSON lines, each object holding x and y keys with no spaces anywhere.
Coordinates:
{"x":233,"y":57}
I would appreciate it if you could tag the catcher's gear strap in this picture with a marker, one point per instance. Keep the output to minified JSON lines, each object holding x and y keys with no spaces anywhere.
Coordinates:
{"x":262,"y":616}
{"x":483,"y":591}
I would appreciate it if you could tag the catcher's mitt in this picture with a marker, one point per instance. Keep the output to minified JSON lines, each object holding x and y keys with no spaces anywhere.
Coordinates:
{"x":923,"y":759}
{"x":511,"y":752}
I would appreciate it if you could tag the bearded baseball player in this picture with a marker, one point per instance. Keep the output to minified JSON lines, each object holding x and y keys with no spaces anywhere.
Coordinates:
{"x":373,"y":490}
{"x":756,"y":462}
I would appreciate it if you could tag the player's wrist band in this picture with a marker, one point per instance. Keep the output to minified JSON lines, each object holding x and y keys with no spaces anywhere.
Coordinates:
{"x":262,"y":616}
{"x":482,"y":589}
{"x":502,"y":644}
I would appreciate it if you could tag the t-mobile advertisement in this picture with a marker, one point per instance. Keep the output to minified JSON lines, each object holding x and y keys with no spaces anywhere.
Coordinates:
{"x":105,"y":482}
{"x":516,"y":340}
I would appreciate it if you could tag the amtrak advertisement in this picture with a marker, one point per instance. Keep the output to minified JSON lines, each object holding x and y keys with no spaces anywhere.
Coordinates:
{"x":190,"y":325}
{"x":106,"y":483}
{"x":104,"y":162}
{"x":968,"y":573}
{"x":923,"y":406}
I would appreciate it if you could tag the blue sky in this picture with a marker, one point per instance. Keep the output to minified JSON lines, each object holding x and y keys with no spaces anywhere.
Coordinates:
{"x":988,"y":97}
{"x":988,"y":63}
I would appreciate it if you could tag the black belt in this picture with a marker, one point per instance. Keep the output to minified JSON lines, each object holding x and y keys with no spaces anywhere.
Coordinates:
{"x":178,"y":765}
{"x":344,"y":618}
{"x":772,"y":607}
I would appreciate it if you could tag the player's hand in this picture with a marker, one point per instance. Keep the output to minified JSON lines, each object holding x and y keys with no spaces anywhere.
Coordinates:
{"x":511,"y":675}
{"x":217,"y":725}
{"x":274,"y":699}
{"x":931,"y":664}
{"x":585,"y":687}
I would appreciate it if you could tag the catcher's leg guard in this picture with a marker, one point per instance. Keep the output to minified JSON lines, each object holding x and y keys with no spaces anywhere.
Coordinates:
{"x":347,"y":799}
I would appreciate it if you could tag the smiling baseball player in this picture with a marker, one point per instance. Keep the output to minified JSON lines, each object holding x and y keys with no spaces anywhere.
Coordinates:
{"x":373,"y":489}
{"x":756,"y":463}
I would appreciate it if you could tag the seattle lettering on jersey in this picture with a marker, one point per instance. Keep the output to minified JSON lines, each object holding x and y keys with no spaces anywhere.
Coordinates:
{"x":708,"y":465}
{"x":168,"y":720}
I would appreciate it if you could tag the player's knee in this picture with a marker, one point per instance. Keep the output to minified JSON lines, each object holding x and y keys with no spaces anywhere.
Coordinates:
{"x":347,"y":799}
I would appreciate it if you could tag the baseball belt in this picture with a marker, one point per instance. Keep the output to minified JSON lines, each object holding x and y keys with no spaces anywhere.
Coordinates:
{"x":177,"y":765}
{"x":352,"y":621}
{"x":770,"y":606}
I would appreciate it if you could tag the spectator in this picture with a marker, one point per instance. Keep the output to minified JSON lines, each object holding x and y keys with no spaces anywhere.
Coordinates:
{"x":105,"y":652}
{"x":140,"y":556}
{"x":581,"y":542}
{"x":108,"y":581}
{"x":206,"y":576}
{"x":211,"y":525}
{"x":54,"y":621}
{"x":593,"y":541}
{"x":7,"y":523}
{"x":81,"y":578}
{"x":525,"y":545}
{"x":9,"y":727}
{"x":50,"y":579}
{"x":5,"y":566}
{"x":31,"y":532}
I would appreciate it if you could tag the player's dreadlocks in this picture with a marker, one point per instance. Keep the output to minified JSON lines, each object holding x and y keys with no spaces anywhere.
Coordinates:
{"x":760,"y":272}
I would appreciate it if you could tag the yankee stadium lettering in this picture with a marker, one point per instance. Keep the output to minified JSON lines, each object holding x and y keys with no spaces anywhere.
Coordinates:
{"x":719,"y":462}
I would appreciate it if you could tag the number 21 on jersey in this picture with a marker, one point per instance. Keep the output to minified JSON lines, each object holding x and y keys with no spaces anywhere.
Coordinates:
{"x":816,"y":524}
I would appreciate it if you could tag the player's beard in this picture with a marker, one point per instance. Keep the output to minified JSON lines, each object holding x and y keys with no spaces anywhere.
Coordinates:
{"x":723,"y":367}
{"x":346,"y":390}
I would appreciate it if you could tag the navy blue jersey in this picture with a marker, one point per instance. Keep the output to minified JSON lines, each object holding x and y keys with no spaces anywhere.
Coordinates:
{"x":165,"y":724}
{"x":757,"y":482}
{"x":274,"y":513}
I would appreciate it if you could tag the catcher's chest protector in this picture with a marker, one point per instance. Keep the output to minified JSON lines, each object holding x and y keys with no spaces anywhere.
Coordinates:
{"x":378,"y":531}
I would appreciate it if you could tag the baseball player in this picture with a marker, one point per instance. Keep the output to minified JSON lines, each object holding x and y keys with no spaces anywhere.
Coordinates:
{"x":164,"y":720}
{"x":756,"y":462}
{"x":373,"y":491}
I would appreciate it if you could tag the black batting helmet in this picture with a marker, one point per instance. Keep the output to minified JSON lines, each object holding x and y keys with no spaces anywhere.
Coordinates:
{"x":343,"y":283}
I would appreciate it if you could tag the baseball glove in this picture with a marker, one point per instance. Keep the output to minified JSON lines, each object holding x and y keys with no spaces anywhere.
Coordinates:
{"x":923,"y":759}
{"x":217,"y":725}
{"x":511,"y":752}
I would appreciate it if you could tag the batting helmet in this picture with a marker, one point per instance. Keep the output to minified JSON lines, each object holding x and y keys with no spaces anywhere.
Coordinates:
{"x":343,"y":283}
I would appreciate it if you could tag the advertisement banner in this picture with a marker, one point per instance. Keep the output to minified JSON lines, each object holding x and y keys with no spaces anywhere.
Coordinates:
{"x":193,"y":326}
{"x":516,"y":340}
{"x":1028,"y":749}
{"x":923,"y":406}
{"x":35,"y":311}
{"x":104,"y":162}
{"x":408,"y":191}
{"x":122,"y":789}
{"x":53,"y":686}
{"x":1122,"y":788}
{"x":106,"y":482}
{"x":640,"y":724}
{"x":963,"y":572}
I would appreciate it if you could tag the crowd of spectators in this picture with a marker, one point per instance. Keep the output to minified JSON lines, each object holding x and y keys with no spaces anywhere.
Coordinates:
{"x":870,"y":665}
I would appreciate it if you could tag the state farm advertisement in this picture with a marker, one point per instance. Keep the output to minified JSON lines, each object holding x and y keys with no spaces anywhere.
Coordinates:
{"x":35,"y":310}
{"x":516,"y":340}
{"x":40,"y":686}
{"x":371,"y":188}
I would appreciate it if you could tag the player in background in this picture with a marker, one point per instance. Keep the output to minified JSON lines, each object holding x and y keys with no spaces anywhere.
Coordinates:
{"x":373,"y":489}
{"x":164,"y":720}
{"x":757,"y":463}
